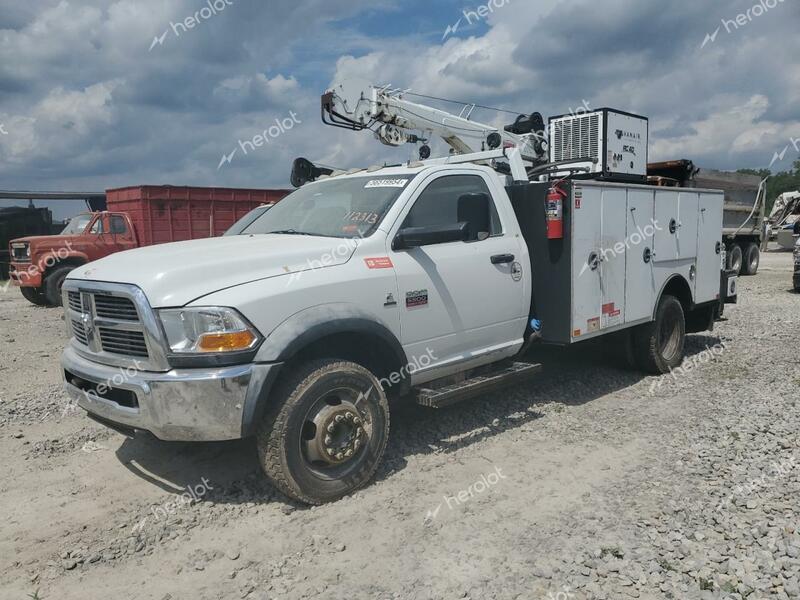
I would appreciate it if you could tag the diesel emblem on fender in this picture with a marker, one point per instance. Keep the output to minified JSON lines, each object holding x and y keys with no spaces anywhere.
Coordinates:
{"x":416,"y":298}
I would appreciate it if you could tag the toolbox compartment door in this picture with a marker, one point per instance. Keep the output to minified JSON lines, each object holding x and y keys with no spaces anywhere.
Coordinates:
{"x":640,"y":290}
{"x":709,"y":262}
{"x":586,"y":237}
{"x":687,"y":225}
{"x":614,"y":248}
{"x":666,"y":219}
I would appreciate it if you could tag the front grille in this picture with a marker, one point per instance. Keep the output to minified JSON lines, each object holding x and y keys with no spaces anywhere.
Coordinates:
{"x":79,"y":332}
{"x":117,"y":341}
{"x":576,"y":137}
{"x":115,"y":307}
{"x":108,"y":324}
{"x":74,"y":299}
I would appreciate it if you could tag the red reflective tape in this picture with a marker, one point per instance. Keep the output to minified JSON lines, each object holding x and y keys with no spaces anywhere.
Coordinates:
{"x":383,"y":262}
{"x":608,"y":308}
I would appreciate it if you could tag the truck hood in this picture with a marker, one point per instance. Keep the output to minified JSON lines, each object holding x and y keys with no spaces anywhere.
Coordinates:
{"x":174,"y":274}
{"x":41,"y":241}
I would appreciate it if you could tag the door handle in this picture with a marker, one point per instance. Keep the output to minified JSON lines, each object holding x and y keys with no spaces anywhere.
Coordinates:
{"x":499,"y":259}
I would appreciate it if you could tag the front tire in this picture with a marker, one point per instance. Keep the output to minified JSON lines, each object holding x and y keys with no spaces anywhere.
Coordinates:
{"x":34,"y":296}
{"x":53,"y":283}
{"x":326,"y":433}
{"x":660,"y":344}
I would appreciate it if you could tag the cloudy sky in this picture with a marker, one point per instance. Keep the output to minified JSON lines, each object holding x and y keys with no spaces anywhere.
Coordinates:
{"x":99,"y":94}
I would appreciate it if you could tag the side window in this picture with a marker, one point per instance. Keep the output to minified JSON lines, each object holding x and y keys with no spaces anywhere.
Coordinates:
{"x":97,"y":227}
{"x":438,"y":203}
{"x":118,"y":224}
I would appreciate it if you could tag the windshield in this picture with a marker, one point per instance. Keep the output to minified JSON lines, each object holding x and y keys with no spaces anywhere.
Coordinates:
{"x":77,"y":225}
{"x":242,"y":223}
{"x":343,"y":208}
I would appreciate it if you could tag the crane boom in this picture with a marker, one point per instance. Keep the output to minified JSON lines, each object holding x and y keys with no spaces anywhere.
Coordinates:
{"x":393,"y":119}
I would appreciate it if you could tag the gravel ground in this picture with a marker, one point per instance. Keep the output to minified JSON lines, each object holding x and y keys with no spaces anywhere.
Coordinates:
{"x":590,"y":481}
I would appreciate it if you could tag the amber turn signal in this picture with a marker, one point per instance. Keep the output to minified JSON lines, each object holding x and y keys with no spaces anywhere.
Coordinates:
{"x":226,"y":342}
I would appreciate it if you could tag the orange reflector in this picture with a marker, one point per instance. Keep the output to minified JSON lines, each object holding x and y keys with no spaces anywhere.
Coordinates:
{"x":225,"y":342}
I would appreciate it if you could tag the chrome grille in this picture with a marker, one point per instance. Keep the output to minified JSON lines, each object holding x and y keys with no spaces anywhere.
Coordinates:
{"x":117,"y":341}
{"x":115,"y":307}
{"x":74,"y":299}
{"x":79,"y":332}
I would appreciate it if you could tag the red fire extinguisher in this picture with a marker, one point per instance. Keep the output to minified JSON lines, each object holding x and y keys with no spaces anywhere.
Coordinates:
{"x":554,"y":207}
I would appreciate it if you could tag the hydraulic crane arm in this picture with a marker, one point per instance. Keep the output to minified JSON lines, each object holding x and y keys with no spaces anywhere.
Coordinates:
{"x":393,"y":119}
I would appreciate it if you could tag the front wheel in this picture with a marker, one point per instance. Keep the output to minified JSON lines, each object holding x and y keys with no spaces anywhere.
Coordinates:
{"x":326,"y":433}
{"x":53,"y":283}
{"x":34,"y":296}
{"x":659,"y":345}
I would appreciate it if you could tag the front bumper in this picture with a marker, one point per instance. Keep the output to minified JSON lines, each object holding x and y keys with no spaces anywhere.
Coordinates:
{"x":212,"y":404}
{"x":25,"y":274}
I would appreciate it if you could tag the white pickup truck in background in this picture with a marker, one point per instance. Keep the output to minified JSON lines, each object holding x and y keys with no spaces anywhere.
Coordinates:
{"x":426,"y":281}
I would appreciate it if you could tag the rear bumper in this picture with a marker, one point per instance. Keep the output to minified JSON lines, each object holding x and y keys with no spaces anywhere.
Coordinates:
{"x":212,"y":404}
{"x":25,"y":275}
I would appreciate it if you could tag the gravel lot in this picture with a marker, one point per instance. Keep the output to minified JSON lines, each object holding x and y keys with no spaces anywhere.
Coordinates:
{"x":590,"y":481}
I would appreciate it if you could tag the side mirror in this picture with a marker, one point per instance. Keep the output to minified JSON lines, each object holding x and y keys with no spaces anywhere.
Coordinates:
{"x":414,"y":237}
{"x":473,"y":209}
{"x":303,"y":171}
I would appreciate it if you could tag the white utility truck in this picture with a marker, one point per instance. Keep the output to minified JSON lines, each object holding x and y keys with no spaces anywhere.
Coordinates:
{"x":425,"y":281}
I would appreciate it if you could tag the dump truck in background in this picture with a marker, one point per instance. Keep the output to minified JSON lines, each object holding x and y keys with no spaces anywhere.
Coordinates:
{"x":743,"y":231}
{"x":135,"y":217}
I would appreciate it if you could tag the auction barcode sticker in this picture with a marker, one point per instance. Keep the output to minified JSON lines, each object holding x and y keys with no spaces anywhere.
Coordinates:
{"x":381,"y":183}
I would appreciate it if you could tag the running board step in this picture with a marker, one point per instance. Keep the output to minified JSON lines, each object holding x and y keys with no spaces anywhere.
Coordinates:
{"x":469,"y":388}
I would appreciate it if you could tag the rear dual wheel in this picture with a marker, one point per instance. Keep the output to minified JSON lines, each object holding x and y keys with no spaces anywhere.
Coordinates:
{"x":659,"y":345}
{"x":327,"y":431}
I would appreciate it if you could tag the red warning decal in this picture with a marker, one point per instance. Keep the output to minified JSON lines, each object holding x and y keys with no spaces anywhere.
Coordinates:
{"x":382,"y":262}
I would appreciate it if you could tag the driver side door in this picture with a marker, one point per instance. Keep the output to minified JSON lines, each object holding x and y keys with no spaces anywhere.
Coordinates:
{"x":464,"y":300}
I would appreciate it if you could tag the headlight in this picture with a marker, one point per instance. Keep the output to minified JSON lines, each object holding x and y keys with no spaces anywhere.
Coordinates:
{"x":207,"y":330}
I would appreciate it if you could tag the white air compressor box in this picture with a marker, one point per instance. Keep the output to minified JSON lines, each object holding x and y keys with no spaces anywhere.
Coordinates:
{"x":605,"y":144}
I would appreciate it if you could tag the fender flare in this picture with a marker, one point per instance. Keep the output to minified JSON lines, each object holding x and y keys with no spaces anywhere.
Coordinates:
{"x":674,"y":277}
{"x":298,"y":332}
{"x":312,"y":324}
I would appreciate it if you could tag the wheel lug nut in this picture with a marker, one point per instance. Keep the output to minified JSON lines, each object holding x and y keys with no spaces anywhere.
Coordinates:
{"x":330,"y":452}
{"x":357,"y":421}
{"x":328,"y":440}
{"x":349,"y":453}
{"x":331,"y":427}
{"x":339,"y":418}
{"x":350,"y":416}
{"x":339,"y":456}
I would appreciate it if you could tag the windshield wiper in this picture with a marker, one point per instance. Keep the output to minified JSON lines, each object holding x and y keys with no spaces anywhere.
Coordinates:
{"x":290,"y":232}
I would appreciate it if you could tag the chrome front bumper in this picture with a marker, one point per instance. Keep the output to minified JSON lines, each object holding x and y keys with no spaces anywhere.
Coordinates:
{"x":210,"y":404}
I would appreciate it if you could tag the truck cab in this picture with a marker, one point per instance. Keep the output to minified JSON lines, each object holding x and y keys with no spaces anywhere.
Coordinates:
{"x":39,"y":264}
